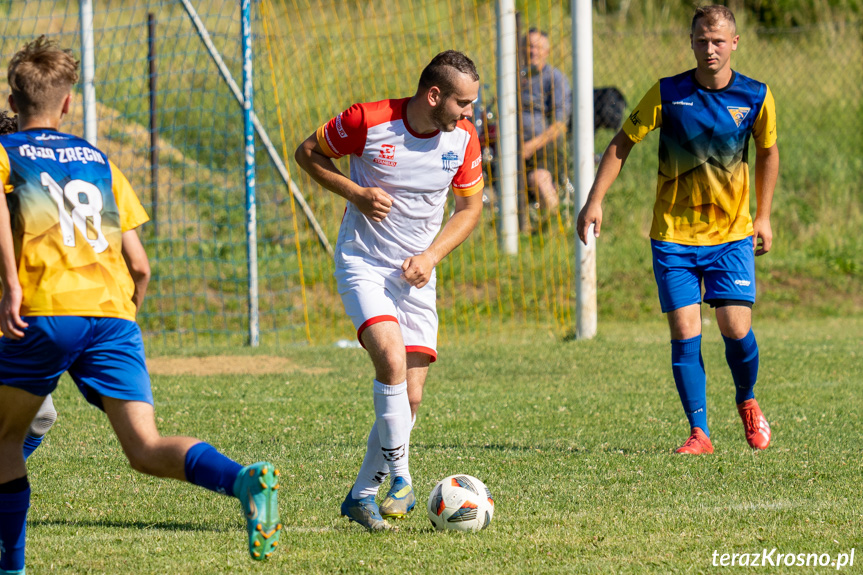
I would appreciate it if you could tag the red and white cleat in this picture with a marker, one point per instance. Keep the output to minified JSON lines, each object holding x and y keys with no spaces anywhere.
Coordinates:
{"x":754,"y":424}
{"x":697,"y":443}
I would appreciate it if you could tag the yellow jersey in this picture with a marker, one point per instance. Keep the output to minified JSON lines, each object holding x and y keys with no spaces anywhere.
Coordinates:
{"x":69,"y":206}
{"x":702,"y":190}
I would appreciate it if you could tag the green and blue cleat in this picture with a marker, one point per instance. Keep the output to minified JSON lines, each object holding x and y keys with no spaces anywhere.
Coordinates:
{"x":257,"y":488}
{"x":365,"y":512}
{"x":400,"y":500}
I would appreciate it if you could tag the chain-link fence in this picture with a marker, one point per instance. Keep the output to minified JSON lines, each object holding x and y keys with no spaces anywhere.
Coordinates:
{"x":314,"y":58}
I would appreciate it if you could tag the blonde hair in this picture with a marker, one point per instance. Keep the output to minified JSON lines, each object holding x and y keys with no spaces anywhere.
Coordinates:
{"x":713,"y":15}
{"x":40,"y":75}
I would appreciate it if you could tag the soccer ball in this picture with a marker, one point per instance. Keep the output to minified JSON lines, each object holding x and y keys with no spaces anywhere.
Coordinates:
{"x":460,"y":503}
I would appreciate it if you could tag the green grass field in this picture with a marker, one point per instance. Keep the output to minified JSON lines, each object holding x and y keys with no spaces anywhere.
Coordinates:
{"x":573,"y":438}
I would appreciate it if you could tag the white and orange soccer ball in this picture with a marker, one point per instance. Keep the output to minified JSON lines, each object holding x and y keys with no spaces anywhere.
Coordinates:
{"x":460,"y":503}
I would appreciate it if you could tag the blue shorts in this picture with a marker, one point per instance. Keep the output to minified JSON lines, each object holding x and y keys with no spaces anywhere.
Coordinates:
{"x":104,"y":356}
{"x":728,"y":271}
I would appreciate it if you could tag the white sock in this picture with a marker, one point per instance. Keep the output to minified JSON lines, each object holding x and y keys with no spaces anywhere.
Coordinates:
{"x":374,"y":469}
{"x":393,"y":420}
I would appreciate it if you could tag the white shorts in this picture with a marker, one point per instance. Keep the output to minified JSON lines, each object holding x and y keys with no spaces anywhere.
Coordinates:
{"x":373,"y":292}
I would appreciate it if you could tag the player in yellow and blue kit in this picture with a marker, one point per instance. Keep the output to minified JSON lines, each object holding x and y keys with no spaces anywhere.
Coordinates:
{"x":702,"y":230}
{"x":73,"y":275}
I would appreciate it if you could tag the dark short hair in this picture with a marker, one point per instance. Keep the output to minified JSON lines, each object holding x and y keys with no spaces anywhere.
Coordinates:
{"x":40,"y":75}
{"x":442,"y":71}
{"x":712,"y":16}
{"x":8,"y":124}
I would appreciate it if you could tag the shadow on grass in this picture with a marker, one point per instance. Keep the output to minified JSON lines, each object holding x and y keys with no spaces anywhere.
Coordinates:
{"x":540,"y":448}
{"x":162,"y":525}
{"x":498,"y":447}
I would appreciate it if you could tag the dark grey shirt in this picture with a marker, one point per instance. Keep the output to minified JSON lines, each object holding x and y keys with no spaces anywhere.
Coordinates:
{"x":545,"y":99}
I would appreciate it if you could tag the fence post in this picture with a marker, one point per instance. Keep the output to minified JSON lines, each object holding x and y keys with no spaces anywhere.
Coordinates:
{"x":88,"y":71}
{"x":154,"y":124}
{"x":582,"y":145}
{"x":507,"y":83}
{"x":262,"y":133}
{"x":249,"y":146}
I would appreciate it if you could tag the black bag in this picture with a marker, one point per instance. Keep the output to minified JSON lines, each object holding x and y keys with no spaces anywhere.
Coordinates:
{"x":609,"y":106}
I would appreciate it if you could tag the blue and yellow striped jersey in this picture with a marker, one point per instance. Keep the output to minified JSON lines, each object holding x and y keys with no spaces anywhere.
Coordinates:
{"x":702,"y":191}
{"x":69,"y":207}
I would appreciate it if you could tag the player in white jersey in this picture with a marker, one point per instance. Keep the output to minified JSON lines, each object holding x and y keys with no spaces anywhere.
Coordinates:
{"x":405,"y":155}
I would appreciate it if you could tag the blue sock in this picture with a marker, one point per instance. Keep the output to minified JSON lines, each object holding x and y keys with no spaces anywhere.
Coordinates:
{"x":688,"y":368}
{"x":13,"y":523}
{"x":31,"y":442}
{"x":742,"y":358}
{"x":208,"y":468}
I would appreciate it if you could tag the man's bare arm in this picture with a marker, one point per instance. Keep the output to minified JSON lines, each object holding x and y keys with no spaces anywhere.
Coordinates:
{"x":372,"y":202}
{"x":11,"y":323}
{"x":138,"y":264}
{"x":552,"y":133}
{"x":609,"y":168}
{"x":766,"y":176}
{"x":468,"y":210}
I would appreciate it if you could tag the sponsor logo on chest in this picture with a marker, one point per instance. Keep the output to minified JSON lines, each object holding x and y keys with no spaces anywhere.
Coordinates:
{"x":738,"y":113}
{"x":449,"y":161}
{"x":81,"y":154}
{"x":387,"y":155}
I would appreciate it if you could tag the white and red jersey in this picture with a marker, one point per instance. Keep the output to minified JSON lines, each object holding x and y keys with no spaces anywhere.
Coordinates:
{"x":415,"y":169}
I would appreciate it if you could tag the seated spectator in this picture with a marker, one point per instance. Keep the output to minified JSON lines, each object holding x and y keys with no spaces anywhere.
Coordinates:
{"x":546,"y":101}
